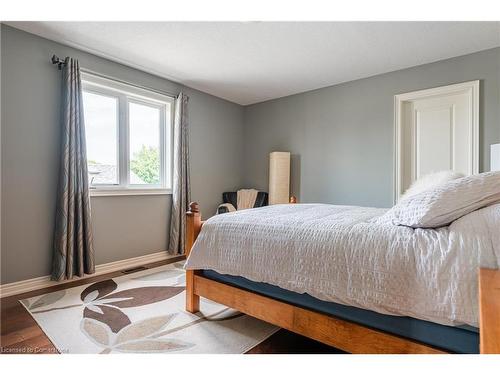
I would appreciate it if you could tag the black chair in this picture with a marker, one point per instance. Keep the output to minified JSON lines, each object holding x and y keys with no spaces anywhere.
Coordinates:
{"x":232,"y":197}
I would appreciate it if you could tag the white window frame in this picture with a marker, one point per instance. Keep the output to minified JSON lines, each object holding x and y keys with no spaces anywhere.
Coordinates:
{"x":126,"y":94}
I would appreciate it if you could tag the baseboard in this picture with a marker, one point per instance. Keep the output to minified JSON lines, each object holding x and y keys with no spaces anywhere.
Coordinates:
{"x":24,"y":286}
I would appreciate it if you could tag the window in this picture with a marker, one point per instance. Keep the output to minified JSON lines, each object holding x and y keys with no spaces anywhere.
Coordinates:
{"x":128,"y":134}
{"x":101,"y":131}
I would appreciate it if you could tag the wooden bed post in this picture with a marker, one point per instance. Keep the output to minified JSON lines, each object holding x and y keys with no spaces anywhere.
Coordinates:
{"x":193,"y":227}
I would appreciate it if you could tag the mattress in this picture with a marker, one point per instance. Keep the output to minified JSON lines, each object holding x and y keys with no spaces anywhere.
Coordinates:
{"x":462,"y":339}
{"x":342,"y":254}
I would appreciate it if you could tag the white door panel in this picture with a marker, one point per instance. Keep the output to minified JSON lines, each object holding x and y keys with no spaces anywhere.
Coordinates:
{"x":433,"y":141}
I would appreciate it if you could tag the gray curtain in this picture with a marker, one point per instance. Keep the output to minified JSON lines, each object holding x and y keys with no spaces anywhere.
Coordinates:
{"x":73,"y":243}
{"x":181,"y":190}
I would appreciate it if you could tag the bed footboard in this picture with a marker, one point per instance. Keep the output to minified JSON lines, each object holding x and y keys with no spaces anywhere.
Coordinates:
{"x":193,"y":227}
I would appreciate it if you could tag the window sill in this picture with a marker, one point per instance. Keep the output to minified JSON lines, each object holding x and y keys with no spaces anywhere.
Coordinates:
{"x":127,"y":192}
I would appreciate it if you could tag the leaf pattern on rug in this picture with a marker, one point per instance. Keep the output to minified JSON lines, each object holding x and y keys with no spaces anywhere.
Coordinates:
{"x":103,"y":305}
{"x":144,"y":328}
{"x":45,"y":300}
{"x":136,"y":337}
{"x":141,"y":296}
{"x":114,"y":318}
{"x":98,"y":290}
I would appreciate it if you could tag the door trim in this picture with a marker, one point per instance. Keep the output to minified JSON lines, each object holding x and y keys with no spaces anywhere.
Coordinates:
{"x":471,"y":88}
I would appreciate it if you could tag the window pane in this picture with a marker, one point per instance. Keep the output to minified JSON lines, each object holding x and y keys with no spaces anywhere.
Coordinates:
{"x":101,"y":129}
{"x":144,"y":129}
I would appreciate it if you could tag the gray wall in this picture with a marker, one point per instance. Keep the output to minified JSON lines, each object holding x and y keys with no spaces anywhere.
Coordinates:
{"x":341,"y":137}
{"x":124,"y":227}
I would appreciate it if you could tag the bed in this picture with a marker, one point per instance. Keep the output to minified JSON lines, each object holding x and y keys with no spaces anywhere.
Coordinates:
{"x":343,"y":276}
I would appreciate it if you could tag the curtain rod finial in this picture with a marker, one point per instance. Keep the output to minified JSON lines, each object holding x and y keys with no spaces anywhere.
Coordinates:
{"x":58,"y":61}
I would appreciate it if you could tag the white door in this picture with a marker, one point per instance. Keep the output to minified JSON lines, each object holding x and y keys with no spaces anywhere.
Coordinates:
{"x":437,"y":131}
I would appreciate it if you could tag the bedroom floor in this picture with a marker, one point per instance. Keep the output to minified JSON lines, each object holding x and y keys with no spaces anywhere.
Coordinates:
{"x":21,"y":334}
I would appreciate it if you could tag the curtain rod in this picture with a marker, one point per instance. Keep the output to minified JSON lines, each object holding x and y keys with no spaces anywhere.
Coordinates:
{"x":60,"y":63}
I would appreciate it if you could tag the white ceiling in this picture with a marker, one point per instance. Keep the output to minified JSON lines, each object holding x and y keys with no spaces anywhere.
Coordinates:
{"x":250,"y":62}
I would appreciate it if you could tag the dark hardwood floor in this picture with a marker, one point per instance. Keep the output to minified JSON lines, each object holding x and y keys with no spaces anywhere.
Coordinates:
{"x":20,"y":334}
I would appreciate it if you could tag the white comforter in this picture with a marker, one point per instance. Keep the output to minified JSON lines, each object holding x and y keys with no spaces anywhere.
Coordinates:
{"x":345,"y":255}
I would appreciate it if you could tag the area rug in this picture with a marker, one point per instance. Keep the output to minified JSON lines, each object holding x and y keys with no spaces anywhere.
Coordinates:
{"x":142,"y":312}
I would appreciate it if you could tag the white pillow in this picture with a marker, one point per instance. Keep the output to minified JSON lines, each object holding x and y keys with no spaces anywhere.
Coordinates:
{"x":447,"y":202}
{"x":430,"y":181}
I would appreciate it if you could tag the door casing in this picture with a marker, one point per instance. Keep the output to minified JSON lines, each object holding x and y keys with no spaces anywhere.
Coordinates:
{"x":471,"y":88}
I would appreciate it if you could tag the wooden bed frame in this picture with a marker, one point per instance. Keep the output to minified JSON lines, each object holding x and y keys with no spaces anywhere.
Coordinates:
{"x":342,"y":334}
